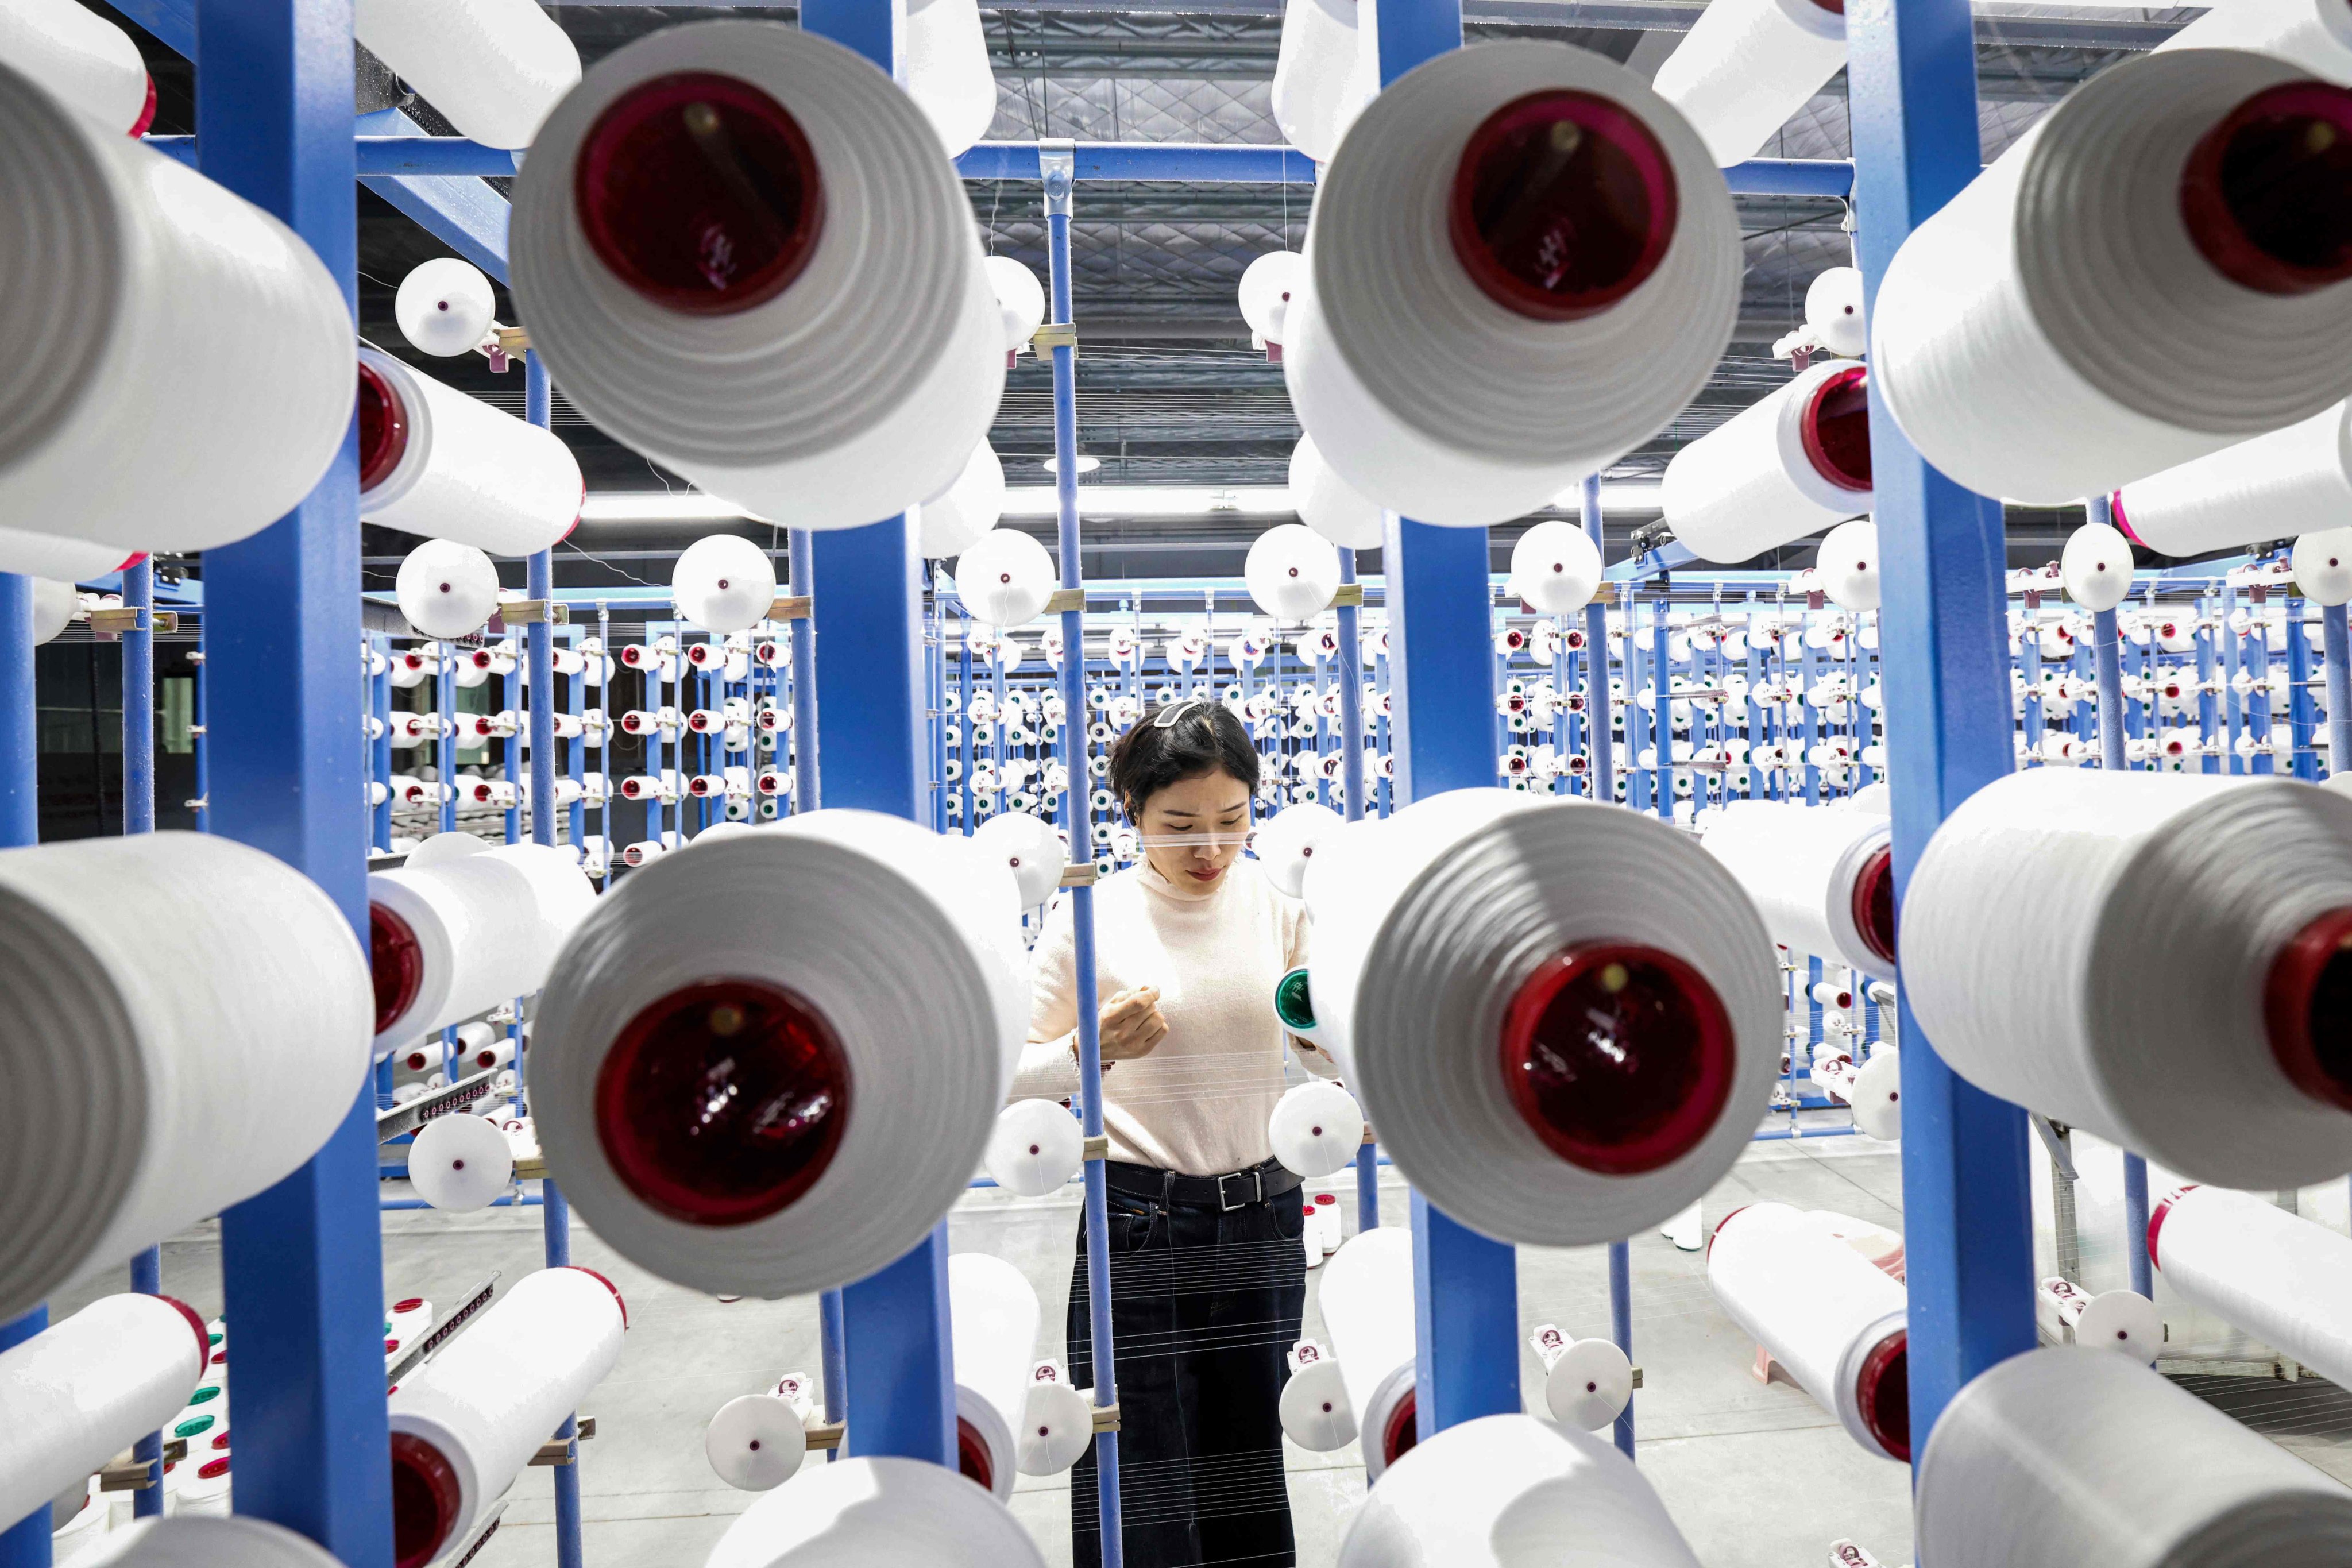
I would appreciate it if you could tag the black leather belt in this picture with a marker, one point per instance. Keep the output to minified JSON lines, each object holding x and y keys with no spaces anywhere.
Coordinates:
{"x":1233,"y":1190}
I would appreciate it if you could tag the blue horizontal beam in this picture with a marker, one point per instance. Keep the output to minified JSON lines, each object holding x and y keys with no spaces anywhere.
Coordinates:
{"x":1791,"y":177}
{"x":1230,"y":162}
{"x":1665,"y":558}
{"x":417,"y":154}
{"x":462,"y":213}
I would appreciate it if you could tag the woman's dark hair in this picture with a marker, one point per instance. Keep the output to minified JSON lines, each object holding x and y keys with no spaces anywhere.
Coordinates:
{"x":1200,"y":737}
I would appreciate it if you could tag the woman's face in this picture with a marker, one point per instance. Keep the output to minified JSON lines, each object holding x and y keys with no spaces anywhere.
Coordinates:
{"x":1196,"y":828}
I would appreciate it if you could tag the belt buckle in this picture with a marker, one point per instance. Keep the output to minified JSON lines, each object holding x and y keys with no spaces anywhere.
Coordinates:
{"x":1257,"y":1181}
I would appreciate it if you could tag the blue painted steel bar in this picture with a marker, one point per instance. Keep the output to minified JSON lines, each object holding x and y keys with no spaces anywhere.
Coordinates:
{"x":2107,"y":657}
{"x":1661,"y":727}
{"x":416,"y":153}
{"x":830,"y":1338}
{"x":1351,"y":782}
{"x":379,"y":748}
{"x":1620,"y":1329}
{"x":200,"y":744}
{"x":898,"y":1362}
{"x":1079,"y":820}
{"x":807,"y":793}
{"x":464,"y":214}
{"x":301,"y":1265}
{"x":139,"y":702}
{"x":2301,"y":719}
{"x":1600,"y":723}
{"x":1193,"y":163}
{"x":2336,"y":649}
{"x":27,"y":1543}
{"x":1912,"y":87}
{"x":1655,"y":563}
{"x":147,"y":1278}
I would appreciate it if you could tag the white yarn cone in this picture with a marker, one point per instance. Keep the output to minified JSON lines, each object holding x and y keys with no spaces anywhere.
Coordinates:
{"x":2290,"y":481}
{"x":456,"y":937}
{"x":1556,"y":567}
{"x":1314,"y":1408}
{"x":196,"y":1542}
{"x":2312,"y":34}
{"x":437,"y":462}
{"x":2068,"y":1455}
{"x":1031,"y":850}
{"x":1505,"y":1491}
{"x":1269,"y":287}
{"x":460,"y":1163}
{"x":841,"y":402}
{"x":89,"y":62}
{"x":1314,"y":73}
{"x":1746,"y":66}
{"x":1286,"y":842}
{"x":54,"y":606}
{"x":1324,"y":501}
{"x":81,"y":1390}
{"x":1452,"y":391}
{"x":1878,"y":1095}
{"x":1037,"y":1147}
{"x":1589,"y":1384}
{"x":2273,"y":1274}
{"x":446,"y":590}
{"x":466,"y":1423}
{"x":1833,"y":312}
{"x":2323,"y":566}
{"x":2062,"y":327}
{"x":1057,"y":1424}
{"x":1366,"y":1300}
{"x":1020,"y":301}
{"x":877,"y":1513}
{"x":1004,"y":578}
{"x":2097,"y":566}
{"x":496,"y":67}
{"x":127,"y":963}
{"x":2166,"y":981}
{"x":892,"y":1088}
{"x":1848,"y":563}
{"x":57,"y":557}
{"x":947,"y":70}
{"x":1292,"y":571}
{"x":954,"y":521}
{"x":151,"y":311}
{"x":756,"y":1442}
{"x":1317,"y":1129}
{"x":1822,"y":876}
{"x":993,"y":1310}
{"x":723,"y":583}
{"x":443,"y":307}
{"x":1780,"y":469}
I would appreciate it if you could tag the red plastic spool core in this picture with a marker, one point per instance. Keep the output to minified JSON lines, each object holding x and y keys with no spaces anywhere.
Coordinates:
{"x":2267,"y":193}
{"x":1836,"y":430}
{"x":1884,"y":1393}
{"x":1873,"y":903}
{"x":2307,"y":1009}
{"x":204,"y":1356}
{"x":1619,"y":1057}
{"x":972,"y":1456}
{"x":396,"y":962}
{"x":618,"y":1300}
{"x":2155,"y":1222}
{"x":384,"y":427}
{"x":425,"y":1500}
{"x":724,"y":1101}
{"x":1563,"y":204}
{"x":700,"y":191}
{"x":1403,"y":1428}
{"x":2116,"y":510}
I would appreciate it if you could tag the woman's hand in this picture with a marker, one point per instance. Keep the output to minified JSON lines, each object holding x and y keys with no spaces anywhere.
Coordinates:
{"x":1132,"y":1023}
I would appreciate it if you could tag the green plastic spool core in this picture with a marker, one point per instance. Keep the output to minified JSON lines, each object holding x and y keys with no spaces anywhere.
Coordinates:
{"x":1293,"y":1004}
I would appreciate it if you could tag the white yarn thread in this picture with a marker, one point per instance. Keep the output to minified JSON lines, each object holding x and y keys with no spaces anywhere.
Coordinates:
{"x":460,"y":1163}
{"x":959,"y":517}
{"x":2290,"y":481}
{"x":2314,"y":34}
{"x":877,"y":1513}
{"x":1823,"y":1312}
{"x":1314,"y":71}
{"x":841,"y":401}
{"x":496,"y":67}
{"x":2276,"y":1276}
{"x":1502,"y":1491}
{"x":1031,"y":850}
{"x":867,"y":901}
{"x":1433,"y":400}
{"x":196,"y":1542}
{"x":486,"y":926}
{"x":150,"y":311}
{"x":1556,"y":567}
{"x":947,"y":70}
{"x":1803,"y":865}
{"x":1037,"y":1147}
{"x":1315,"y":1129}
{"x":127,"y":963}
{"x":1292,"y":572}
{"x":78,"y":1392}
{"x":2055,"y":331}
{"x":1848,"y":563}
{"x":89,"y":62}
{"x":487,"y":1400}
{"x":1754,"y":483}
{"x":1426,"y":925}
{"x":2068,"y":1456}
{"x":469,"y":472}
{"x":1286,"y":842}
{"x":993,"y":1313}
{"x":2096,"y":946}
{"x":446,"y":590}
{"x":1366,"y":1300}
{"x":2096,"y":566}
{"x":723,"y":583}
{"x":443,"y":307}
{"x":1747,"y":65}
{"x":1325,"y":503}
{"x":1004,"y":578}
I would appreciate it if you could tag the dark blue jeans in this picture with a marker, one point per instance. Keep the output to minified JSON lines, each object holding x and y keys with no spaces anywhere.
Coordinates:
{"x":1204,"y":1305}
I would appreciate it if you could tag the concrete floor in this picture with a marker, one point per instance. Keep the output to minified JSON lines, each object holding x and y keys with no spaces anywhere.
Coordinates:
{"x":1756,"y":1477}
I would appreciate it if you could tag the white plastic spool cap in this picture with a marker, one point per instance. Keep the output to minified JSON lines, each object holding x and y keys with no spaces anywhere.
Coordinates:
{"x":1057,"y":1425}
{"x":1848,"y":563}
{"x":723,"y":583}
{"x":2323,"y":566}
{"x":1292,"y":571}
{"x":1329,"y":504}
{"x":1589,"y":1385}
{"x":460,"y":1163}
{"x":1556,"y":567}
{"x":1034,"y":852}
{"x":445,"y":307}
{"x":448,"y":590}
{"x":957,"y":517}
{"x":1019,"y":300}
{"x":2097,"y":566}
{"x":2123,"y":1321}
{"x":1315,"y":1411}
{"x":1317,"y":1129}
{"x":1286,"y":842}
{"x":1037,"y":1146}
{"x":53,"y":604}
{"x":1268,"y":286}
{"x":755,"y":1442}
{"x":1834,"y":311}
{"x":1004,"y":578}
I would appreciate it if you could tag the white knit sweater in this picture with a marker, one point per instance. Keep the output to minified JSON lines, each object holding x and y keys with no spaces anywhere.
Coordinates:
{"x":1199,"y":1102}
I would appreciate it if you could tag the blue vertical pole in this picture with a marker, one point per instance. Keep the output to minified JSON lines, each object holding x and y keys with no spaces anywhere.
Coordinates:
{"x":2336,"y":649}
{"x":200,"y":742}
{"x":1351,"y":777}
{"x":1599,"y":720}
{"x":1661,"y":693}
{"x":301,"y":1265}
{"x":2301,"y":719}
{"x":1620,"y":1329}
{"x":27,"y":1543}
{"x":800,"y":559}
{"x":139,"y":816}
{"x":1912,"y":83}
{"x":2107,"y":664}
{"x":379,"y":749}
{"x":898,"y":1360}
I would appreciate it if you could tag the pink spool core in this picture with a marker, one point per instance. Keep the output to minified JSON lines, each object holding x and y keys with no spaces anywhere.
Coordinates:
{"x":2266,"y":193}
{"x":615,"y":1290}
{"x":396,"y":964}
{"x":2116,"y":510}
{"x":2155,"y":1222}
{"x":700,"y":191}
{"x":1836,"y":430}
{"x":2307,"y":1009}
{"x":1618,"y":1057}
{"x":146,"y":111}
{"x":1873,"y":903}
{"x":203,"y":1335}
{"x":972,"y":1456}
{"x":1563,"y":204}
{"x":723,"y":1102}
{"x":384,"y":427}
{"x":425,"y":1499}
{"x":1403,"y":1428}
{"x":1884,"y":1393}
